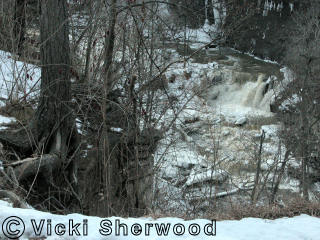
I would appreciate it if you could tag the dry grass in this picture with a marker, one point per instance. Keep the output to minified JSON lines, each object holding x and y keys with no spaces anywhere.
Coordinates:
{"x":295,"y":207}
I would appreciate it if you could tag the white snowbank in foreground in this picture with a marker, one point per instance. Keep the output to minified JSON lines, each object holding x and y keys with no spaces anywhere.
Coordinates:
{"x":300,"y":227}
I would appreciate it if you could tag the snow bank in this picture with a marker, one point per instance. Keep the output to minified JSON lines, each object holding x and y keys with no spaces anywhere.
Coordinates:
{"x":17,"y":79}
{"x":5,"y":120}
{"x":201,"y":35}
{"x":76,"y":226}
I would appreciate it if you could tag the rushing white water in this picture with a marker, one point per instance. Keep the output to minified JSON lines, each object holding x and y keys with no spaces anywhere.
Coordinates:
{"x":235,"y":100}
{"x":222,"y":127}
{"x":255,"y":94}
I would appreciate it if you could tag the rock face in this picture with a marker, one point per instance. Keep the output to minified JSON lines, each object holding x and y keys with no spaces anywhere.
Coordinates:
{"x":265,"y":32}
{"x":193,"y":13}
{"x":260,"y":27}
{"x":188,"y":12}
{"x":241,"y":121}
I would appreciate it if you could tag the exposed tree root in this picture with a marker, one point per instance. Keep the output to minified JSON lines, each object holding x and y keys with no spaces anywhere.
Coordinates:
{"x":43,"y":164}
{"x":46,"y":163}
{"x":17,"y":202}
{"x":22,"y":139}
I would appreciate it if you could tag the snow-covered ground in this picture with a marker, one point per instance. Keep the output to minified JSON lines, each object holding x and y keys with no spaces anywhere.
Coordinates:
{"x":212,"y":150}
{"x":201,"y":35}
{"x":17,"y":79}
{"x":29,"y":223}
{"x":212,"y":135}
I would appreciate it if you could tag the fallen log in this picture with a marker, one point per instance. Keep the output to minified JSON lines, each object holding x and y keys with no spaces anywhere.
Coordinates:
{"x":22,"y":139}
{"x":43,"y":164}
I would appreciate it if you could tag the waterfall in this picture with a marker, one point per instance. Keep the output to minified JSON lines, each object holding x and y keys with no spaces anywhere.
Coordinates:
{"x":260,"y":90}
{"x":216,"y":12}
{"x":254,"y":93}
{"x":265,"y":102}
{"x":236,"y":99}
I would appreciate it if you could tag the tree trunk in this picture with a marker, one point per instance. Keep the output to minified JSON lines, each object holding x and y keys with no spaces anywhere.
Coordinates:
{"x":110,"y":165}
{"x":254,"y":194}
{"x":51,"y":130}
{"x":19,"y":21}
{"x":54,"y":115}
{"x":279,"y":178}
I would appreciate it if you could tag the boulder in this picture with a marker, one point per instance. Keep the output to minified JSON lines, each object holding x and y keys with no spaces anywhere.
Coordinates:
{"x":208,"y":176}
{"x":241,"y":121}
{"x":265,"y":31}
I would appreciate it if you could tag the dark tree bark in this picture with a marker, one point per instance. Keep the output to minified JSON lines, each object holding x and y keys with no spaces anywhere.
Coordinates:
{"x":53,"y":122}
{"x":51,"y":133}
{"x":54,"y":116}
{"x":19,"y":26}
{"x":109,"y":167}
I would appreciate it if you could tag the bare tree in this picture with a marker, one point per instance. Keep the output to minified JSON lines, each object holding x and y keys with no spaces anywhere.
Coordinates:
{"x":54,"y":115}
{"x":302,"y":115}
{"x":51,"y":135}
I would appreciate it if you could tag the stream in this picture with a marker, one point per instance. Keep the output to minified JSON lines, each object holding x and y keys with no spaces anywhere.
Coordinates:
{"x":211,"y":158}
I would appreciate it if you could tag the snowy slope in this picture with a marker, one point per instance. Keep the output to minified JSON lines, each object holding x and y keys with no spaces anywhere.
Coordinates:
{"x":17,"y":79}
{"x":300,"y":227}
